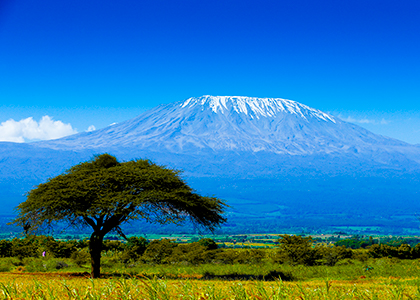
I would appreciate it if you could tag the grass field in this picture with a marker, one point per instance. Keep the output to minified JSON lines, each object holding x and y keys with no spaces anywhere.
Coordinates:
{"x":70,"y":286}
{"x":362,"y":276}
{"x":386,"y":279}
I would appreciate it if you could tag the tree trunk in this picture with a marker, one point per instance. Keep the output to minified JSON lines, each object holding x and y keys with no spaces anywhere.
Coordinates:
{"x":95,"y":249}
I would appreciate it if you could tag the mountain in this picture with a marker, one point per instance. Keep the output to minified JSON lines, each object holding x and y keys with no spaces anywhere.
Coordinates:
{"x":231,"y":124}
{"x":271,"y":159}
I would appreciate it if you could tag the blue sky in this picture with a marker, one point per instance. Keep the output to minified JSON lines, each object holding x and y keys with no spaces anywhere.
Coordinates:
{"x":86,"y":63}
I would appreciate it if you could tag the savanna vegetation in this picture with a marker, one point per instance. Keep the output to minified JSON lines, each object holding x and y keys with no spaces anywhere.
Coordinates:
{"x":40,"y":267}
{"x":102,"y":194}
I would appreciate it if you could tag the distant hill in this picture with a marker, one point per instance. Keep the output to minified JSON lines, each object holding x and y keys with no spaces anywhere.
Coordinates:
{"x":275,"y":161}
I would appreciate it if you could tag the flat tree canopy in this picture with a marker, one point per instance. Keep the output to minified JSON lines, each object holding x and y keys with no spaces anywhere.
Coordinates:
{"x":104,"y":193}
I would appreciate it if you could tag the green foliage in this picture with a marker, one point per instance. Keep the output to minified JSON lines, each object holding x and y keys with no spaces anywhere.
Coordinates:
{"x":240,"y":256}
{"x":80,"y":257}
{"x":165,"y":251}
{"x":361,"y":255}
{"x":404,"y":251}
{"x":60,"y":249}
{"x":158,"y":251}
{"x":193,"y":253}
{"x":209,"y":244}
{"x":250,"y":256}
{"x":114,"y":246}
{"x":134,"y":248}
{"x":27,"y":247}
{"x":6,"y":248}
{"x":296,"y":250}
{"x":7,"y":264}
{"x":331,"y":255}
{"x":355,"y":242}
{"x":33,"y":264}
{"x":104,"y":193}
{"x":398,"y":241}
{"x":227,"y":256}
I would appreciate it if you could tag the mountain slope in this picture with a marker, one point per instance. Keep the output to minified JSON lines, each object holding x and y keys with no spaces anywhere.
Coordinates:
{"x":269,"y":158}
{"x":241,"y":124}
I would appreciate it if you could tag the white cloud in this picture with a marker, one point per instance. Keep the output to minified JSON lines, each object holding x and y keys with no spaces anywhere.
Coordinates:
{"x":91,"y":128}
{"x":384,"y":122}
{"x":365,"y":121}
{"x":30,"y":130}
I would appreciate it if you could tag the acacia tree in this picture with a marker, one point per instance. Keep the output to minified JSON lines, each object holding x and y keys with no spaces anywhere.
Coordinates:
{"x":104,"y":193}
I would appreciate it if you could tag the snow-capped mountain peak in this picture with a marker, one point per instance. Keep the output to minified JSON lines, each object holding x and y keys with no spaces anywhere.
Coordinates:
{"x":256,"y":107}
{"x":232,"y":123}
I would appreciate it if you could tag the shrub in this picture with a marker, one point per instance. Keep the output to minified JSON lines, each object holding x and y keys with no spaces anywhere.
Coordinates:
{"x":35,"y":264}
{"x":379,"y":251}
{"x":361,"y":255}
{"x":158,"y":251}
{"x":251,"y":256}
{"x":331,"y":255}
{"x":345,"y":262}
{"x":6,"y":264}
{"x":43,"y":265}
{"x":116,"y":246}
{"x":5,"y":248}
{"x":296,"y":250}
{"x":24,"y":251}
{"x":404,"y":251}
{"x":60,"y":249}
{"x":415,"y":252}
{"x":134,"y":248}
{"x":227,"y":256}
{"x":193,"y":253}
{"x":80,"y":257}
{"x":209,"y":244}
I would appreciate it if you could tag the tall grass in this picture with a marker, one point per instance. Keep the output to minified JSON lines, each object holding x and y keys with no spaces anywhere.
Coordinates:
{"x":14,"y":286}
{"x":351,"y":279}
{"x":345,"y":270}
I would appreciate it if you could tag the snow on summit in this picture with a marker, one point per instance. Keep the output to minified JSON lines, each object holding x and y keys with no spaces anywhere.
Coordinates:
{"x":256,"y":107}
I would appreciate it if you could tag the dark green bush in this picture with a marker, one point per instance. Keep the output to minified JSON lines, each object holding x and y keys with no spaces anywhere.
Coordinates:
{"x":134,"y":249}
{"x":60,"y":249}
{"x":379,"y":251}
{"x":209,"y":244}
{"x":27,"y":247}
{"x":355,"y":242}
{"x":6,"y":248}
{"x":296,"y":250}
{"x":227,"y":256}
{"x":194,"y":254}
{"x":404,"y":251}
{"x":158,"y":251}
{"x":331,"y":255}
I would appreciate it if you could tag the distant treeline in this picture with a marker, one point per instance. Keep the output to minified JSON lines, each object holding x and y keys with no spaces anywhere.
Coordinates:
{"x":357,"y":242}
{"x":292,"y":250}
